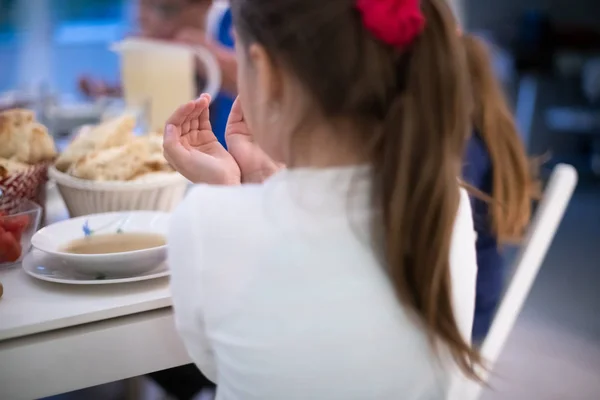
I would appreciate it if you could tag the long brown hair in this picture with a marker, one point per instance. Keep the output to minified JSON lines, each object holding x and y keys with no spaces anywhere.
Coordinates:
{"x":413,"y":106}
{"x":513,"y":184}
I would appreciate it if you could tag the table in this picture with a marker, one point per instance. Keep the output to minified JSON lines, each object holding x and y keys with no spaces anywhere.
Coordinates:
{"x":57,"y":338}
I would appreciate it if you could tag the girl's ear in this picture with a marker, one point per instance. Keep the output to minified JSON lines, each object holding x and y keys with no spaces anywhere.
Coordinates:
{"x":268,"y":76}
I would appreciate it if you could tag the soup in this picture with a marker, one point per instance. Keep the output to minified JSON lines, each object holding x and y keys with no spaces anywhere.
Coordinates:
{"x":115,"y":243}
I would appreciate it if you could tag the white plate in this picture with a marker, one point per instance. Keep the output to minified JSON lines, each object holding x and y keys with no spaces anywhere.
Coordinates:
{"x":43,"y":266}
{"x":53,"y":239}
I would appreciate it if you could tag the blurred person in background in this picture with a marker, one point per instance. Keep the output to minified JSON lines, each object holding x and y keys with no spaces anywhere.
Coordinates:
{"x":184,"y":21}
{"x":497,"y":165}
{"x":221,"y":46}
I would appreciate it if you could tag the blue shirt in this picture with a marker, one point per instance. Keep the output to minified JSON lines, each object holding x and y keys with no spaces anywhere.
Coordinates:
{"x":478,"y":171}
{"x":221,"y":106}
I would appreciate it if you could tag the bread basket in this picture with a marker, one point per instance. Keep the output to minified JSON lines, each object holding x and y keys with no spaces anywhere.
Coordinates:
{"x":155,"y":192}
{"x":28,"y":184}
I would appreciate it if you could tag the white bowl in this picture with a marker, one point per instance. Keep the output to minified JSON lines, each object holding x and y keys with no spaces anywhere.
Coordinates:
{"x":159,"y":192}
{"x":54,"y":238}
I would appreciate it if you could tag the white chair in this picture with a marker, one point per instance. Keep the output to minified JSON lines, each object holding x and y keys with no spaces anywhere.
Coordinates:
{"x":546,"y":220}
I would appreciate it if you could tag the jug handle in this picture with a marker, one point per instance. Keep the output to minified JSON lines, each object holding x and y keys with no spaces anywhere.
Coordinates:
{"x":213,"y":71}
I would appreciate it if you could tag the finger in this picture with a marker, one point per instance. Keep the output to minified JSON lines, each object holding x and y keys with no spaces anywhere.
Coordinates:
{"x":236,"y":114}
{"x":202,"y":121}
{"x":179,"y":116}
{"x":203,"y":103}
{"x":173,"y":150}
{"x":191,"y":122}
{"x":200,"y":105}
{"x":237,"y":129}
{"x":236,"y":126}
{"x":172,"y":136}
{"x":207,"y":97}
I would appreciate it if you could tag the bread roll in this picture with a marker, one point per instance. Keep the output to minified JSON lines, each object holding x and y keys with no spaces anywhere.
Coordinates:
{"x":37,"y":145}
{"x":23,"y":139}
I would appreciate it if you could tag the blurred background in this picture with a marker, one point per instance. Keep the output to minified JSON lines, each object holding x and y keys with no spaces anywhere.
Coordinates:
{"x":53,"y":42}
{"x":547,"y":53}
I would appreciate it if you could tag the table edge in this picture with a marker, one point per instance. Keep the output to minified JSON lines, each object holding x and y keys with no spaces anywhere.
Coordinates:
{"x":98,"y":316}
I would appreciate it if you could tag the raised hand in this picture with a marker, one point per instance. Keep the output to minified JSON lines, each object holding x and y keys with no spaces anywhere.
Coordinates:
{"x":191,"y":147}
{"x":254,"y":163}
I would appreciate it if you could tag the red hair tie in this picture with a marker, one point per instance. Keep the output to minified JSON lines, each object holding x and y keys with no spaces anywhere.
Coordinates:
{"x":395,"y":22}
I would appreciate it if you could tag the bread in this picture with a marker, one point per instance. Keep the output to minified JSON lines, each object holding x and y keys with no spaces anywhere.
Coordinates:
{"x":155,"y":141}
{"x":12,"y":122}
{"x":23,"y":139}
{"x":110,"y":152}
{"x":115,"y":132}
{"x":10,"y":167}
{"x":13,"y":138}
{"x":113,"y":164}
{"x":156,"y":162}
{"x":38,"y":146}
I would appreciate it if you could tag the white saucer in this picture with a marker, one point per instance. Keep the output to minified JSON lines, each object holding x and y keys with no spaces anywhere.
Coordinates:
{"x":43,"y":266}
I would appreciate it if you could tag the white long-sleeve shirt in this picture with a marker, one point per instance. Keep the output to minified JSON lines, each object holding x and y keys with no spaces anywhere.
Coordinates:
{"x":278,"y":294}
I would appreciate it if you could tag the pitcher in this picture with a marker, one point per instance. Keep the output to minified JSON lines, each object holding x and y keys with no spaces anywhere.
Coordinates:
{"x":158,"y":77}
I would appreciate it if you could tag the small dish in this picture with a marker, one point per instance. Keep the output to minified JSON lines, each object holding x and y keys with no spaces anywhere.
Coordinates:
{"x":19,"y":219}
{"x":42,"y":266}
{"x":54,"y":239}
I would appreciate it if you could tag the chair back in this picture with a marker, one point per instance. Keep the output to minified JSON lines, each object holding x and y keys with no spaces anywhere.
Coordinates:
{"x":543,"y":227}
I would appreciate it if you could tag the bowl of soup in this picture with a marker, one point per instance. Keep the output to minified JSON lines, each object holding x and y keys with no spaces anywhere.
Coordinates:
{"x":120,"y":244}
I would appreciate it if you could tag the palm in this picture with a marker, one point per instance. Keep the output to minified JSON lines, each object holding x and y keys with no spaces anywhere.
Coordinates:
{"x":192,"y":148}
{"x":254,"y":163}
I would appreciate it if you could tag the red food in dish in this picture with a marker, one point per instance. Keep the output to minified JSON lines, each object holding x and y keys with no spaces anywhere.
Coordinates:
{"x":10,"y":248}
{"x":11,"y":230}
{"x":17,"y":223}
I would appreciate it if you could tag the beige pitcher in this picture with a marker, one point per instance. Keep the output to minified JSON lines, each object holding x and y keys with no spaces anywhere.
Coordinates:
{"x":158,"y":77}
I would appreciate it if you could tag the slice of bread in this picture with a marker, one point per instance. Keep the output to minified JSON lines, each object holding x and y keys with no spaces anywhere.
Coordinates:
{"x":115,"y":132}
{"x":121,"y":163}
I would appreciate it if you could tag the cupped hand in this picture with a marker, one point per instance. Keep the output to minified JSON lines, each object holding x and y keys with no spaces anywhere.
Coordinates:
{"x":254,"y":163}
{"x":191,"y":147}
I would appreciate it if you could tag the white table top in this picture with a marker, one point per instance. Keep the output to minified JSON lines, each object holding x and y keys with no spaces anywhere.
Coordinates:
{"x":31,"y":306}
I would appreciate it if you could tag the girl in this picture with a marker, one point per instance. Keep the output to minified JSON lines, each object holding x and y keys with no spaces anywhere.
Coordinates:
{"x":495,"y":143}
{"x":359,"y":259}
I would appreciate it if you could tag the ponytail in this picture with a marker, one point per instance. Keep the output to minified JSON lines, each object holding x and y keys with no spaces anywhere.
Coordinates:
{"x":416,"y":170}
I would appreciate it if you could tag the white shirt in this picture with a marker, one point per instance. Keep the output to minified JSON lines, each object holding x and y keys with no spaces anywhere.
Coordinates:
{"x":278,"y":295}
